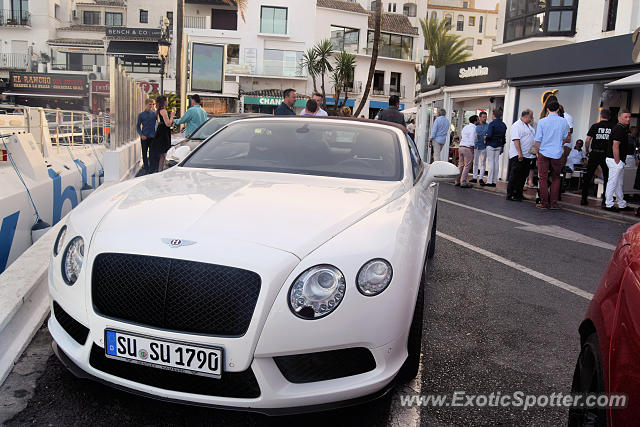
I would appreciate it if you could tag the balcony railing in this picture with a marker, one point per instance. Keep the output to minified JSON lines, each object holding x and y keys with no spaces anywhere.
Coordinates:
{"x":391,"y":52}
{"x":355,"y":88}
{"x":387,"y":90}
{"x":14,"y":61}
{"x":15,"y":18}
{"x":199,"y":22}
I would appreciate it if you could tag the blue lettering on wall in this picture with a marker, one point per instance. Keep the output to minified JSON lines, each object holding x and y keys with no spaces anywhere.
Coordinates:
{"x":60,"y":196}
{"x":83,"y":169}
{"x":8,"y":230}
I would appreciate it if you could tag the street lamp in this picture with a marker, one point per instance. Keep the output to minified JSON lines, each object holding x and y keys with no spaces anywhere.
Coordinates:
{"x":163,"y":52}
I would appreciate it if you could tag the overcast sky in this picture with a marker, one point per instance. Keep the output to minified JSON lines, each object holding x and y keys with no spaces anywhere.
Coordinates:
{"x":486,"y":4}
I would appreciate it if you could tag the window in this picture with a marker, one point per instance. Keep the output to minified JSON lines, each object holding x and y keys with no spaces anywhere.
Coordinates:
{"x":282,"y":63}
{"x":372,"y":6}
{"x":469,"y":43}
{"x":472,"y":21}
{"x":56,"y":11}
{"x":90,"y":17}
{"x":533,"y":18}
{"x":480,"y":24}
{"x":233,"y":54}
{"x":394,"y":84}
{"x":460,"y":23}
{"x":59,"y":60}
{"x":345,"y":39}
{"x":416,"y":161}
{"x":392,"y":45}
{"x":113,"y":19}
{"x":273,"y":20}
{"x":479,"y":42}
{"x":75,"y":61}
{"x":465,"y":4}
{"x":449,"y":19}
{"x":18,"y":11}
{"x":144,"y":16}
{"x":410,"y":9}
{"x":391,"y":7}
{"x":170,"y":18}
{"x":612,"y":14}
{"x":142,"y":66}
{"x":224,"y":19}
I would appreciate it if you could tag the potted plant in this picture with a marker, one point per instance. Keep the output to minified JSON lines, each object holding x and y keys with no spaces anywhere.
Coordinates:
{"x":25,"y":20}
{"x":12,"y":21}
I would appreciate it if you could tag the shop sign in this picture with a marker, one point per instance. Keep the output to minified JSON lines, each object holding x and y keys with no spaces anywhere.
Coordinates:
{"x":149,"y":87}
{"x":101,"y":86}
{"x":55,"y":84}
{"x":263,"y":100}
{"x":478,"y":71}
{"x":152,"y":33}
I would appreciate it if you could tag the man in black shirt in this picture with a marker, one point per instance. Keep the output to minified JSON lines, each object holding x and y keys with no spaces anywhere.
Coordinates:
{"x":598,"y":140}
{"x":286,"y":108}
{"x":392,"y":114}
{"x":616,"y":155}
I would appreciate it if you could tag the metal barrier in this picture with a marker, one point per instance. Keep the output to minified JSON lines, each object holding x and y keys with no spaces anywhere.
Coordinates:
{"x":127,"y":100}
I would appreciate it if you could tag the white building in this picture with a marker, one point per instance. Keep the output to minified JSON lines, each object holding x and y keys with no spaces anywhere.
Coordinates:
{"x":264,"y":50}
{"x":476,"y":26}
{"x":524,"y":26}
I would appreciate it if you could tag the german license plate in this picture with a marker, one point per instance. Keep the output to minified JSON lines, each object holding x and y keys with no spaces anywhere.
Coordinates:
{"x":164,"y":354}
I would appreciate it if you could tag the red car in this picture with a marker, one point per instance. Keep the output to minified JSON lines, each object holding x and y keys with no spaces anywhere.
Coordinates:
{"x":609,"y":360}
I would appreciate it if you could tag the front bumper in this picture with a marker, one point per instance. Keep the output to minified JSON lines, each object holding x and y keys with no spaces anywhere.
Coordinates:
{"x":277,"y":396}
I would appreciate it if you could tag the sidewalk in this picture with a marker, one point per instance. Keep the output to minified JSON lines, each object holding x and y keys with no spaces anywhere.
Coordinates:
{"x":569,"y":201}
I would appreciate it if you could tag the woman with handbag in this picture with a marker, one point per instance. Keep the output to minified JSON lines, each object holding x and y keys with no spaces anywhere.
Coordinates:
{"x":162,"y":139}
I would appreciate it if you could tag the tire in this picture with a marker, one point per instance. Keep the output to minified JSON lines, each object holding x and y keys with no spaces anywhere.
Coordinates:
{"x":588,"y":378}
{"x":431,"y":249}
{"x":410,"y":367}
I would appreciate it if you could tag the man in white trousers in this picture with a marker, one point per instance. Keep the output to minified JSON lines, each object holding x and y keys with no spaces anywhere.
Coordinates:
{"x":616,"y":155}
{"x":480,"y":152}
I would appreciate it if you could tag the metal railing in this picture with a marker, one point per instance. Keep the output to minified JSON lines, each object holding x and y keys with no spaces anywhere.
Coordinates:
{"x":199,"y":22}
{"x":15,"y":17}
{"x":387,"y":90}
{"x":355,"y":88}
{"x":127,"y":100}
{"x":15,"y":61}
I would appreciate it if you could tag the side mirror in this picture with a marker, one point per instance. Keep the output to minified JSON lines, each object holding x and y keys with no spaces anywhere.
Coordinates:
{"x":440,"y":171}
{"x":181,"y":153}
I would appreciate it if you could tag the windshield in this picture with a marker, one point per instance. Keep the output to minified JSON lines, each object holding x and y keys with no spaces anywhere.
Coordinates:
{"x":328,"y":148}
{"x":211,"y":126}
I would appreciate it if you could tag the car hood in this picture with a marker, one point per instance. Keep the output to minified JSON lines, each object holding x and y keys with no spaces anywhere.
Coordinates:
{"x":293,"y":213}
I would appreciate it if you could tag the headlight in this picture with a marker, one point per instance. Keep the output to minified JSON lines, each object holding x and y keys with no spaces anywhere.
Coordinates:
{"x":72,"y":260}
{"x":317,"y":292}
{"x":59,"y":240}
{"x":374,"y":277}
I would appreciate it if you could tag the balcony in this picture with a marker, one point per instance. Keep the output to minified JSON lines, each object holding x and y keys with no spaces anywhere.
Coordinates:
{"x":388,"y":90}
{"x":355,"y":88}
{"x":14,"y":61}
{"x":199,"y":22}
{"x":15,"y":18}
{"x":390,"y":52}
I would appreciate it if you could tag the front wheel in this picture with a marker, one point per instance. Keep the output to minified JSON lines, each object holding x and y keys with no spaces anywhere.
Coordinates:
{"x":588,"y":378}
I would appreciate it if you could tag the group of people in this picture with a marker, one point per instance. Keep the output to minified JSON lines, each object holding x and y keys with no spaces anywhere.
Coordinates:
{"x":547,"y":147}
{"x":154,"y":127}
{"x":313,"y":107}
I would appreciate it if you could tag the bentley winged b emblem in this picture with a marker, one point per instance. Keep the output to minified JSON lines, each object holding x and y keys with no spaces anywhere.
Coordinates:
{"x":176,"y":243}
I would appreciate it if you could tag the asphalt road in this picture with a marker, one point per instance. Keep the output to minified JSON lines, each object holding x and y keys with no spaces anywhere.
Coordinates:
{"x":502,"y":308}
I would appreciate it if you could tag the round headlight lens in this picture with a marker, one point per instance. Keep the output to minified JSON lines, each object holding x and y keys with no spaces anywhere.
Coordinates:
{"x":57,"y":247}
{"x":72,"y":260}
{"x":374,"y":277}
{"x":317,"y":292}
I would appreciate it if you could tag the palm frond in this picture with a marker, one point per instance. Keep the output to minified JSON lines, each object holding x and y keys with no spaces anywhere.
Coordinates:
{"x":241,"y":4}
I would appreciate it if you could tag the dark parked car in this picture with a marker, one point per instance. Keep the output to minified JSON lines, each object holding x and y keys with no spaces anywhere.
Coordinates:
{"x":208,"y":128}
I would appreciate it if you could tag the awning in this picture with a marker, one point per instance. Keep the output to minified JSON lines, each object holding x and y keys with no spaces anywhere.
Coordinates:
{"x":625,"y":83}
{"x":147,"y":50}
{"x":381,"y":104}
{"x":413,"y":110}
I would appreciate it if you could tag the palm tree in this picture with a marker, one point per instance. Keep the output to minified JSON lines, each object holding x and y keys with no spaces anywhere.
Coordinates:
{"x":241,"y":4}
{"x":310,"y":63}
{"x":324,"y":50}
{"x":444,"y":48}
{"x":342,"y":76}
{"x":374,"y":57}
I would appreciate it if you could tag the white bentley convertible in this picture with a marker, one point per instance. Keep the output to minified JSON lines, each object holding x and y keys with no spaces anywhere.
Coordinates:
{"x":279,"y":267}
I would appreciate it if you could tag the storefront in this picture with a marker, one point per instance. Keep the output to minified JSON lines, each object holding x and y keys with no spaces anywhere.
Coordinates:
{"x":64,"y":91}
{"x":462,"y":89}
{"x":268,"y":105}
{"x":582,"y":77}
{"x":99,"y":95}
